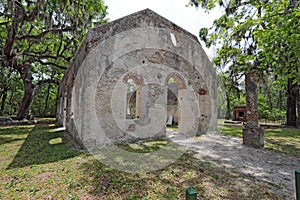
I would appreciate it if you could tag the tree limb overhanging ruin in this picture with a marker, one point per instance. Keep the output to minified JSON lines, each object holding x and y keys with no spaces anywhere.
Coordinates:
{"x":39,"y":38}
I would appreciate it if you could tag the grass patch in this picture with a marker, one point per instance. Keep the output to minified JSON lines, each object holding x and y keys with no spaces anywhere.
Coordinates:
{"x":232,"y":130}
{"x":36,"y":162}
{"x":286,"y":140}
{"x":173,"y":127}
{"x":210,"y":181}
{"x":145,"y":146}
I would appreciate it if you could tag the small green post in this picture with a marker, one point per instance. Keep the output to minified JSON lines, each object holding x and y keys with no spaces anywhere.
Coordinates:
{"x":191,"y":194}
{"x":297,"y":178}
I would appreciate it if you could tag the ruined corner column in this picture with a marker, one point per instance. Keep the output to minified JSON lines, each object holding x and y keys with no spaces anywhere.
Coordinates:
{"x":253,"y":134}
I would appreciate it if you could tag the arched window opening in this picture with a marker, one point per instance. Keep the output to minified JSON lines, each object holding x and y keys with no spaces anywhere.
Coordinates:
{"x":132,"y":100}
{"x":176,"y":86}
{"x":171,"y":80}
{"x":176,"y":77}
{"x":173,"y":110}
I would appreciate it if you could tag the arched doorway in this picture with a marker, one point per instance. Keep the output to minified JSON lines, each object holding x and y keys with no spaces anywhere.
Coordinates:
{"x":131,"y":100}
{"x":175,"y":84}
{"x":133,"y":97}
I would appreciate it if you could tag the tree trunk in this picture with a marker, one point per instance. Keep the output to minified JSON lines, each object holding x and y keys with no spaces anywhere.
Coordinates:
{"x":11,"y":105}
{"x":298,"y":107}
{"x":3,"y":100}
{"x":26,"y":101}
{"x":47,"y":98}
{"x":291,"y":115}
{"x":228,"y":112}
{"x":30,"y":91}
{"x":269,"y":95}
{"x":39,"y":110}
{"x":279,"y":100}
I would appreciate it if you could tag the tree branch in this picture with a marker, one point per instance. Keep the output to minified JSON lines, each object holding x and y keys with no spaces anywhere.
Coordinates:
{"x":53,"y":64}
{"x":4,"y":23}
{"x":34,"y":12}
{"x":41,"y":55}
{"x":42,"y":83}
{"x":43,"y":34}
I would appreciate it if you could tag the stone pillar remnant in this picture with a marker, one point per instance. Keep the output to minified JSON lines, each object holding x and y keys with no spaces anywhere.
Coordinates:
{"x":253,"y":134}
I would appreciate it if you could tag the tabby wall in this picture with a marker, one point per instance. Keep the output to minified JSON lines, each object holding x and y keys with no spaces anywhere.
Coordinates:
{"x":148,"y":50}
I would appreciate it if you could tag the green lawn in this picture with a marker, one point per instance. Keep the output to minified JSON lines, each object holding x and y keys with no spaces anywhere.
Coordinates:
{"x":286,"y":140}
{"x":38,"y":162}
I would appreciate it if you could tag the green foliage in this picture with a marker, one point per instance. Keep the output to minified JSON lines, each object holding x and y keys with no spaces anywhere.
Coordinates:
{"x":10,"y":81}
{"x":259,"y":35}
{"x":38,"y":41}
{"x":230,"y":87}
{"x":44,"y":105}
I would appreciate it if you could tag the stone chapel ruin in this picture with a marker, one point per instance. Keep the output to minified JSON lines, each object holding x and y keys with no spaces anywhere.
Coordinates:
{"x":116,"y":88}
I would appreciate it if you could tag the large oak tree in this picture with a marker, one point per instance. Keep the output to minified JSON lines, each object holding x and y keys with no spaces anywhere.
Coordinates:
{"x":260,"y":36}
{"x":40,"y":37}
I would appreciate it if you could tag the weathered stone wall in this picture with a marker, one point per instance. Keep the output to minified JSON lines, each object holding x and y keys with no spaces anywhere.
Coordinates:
{"x":149,"y":49}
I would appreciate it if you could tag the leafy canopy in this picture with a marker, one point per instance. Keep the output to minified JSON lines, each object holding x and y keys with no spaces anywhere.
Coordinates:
{"x":38,"y":39}
{"x":260,"y":35}
{"x":44,"y":35}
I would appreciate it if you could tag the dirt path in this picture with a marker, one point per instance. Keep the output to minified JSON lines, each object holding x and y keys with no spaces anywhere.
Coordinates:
{"x":270,"y":166}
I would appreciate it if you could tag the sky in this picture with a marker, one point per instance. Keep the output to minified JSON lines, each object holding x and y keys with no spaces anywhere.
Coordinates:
{"x":189,"y":18}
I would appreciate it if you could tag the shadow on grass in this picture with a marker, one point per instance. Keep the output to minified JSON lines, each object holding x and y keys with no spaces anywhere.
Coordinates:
{"x":168,"y":183}
{"x":145,"y":147}
{"x":289,"y":147}
{"x":283,"y":132}
{"x":45,"y":143}
{"x":209,"y":180}
{"x":15,"y":130}
{"x":283,"y":140}
{"x":7,"y":140}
